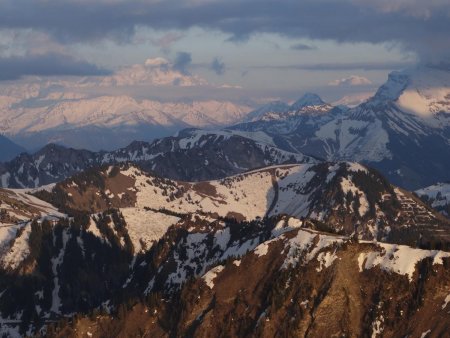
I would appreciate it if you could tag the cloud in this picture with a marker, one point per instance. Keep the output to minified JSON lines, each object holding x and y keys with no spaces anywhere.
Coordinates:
{"x":218,"y":66}
{"x":416,"y":25}
{"x":352,"y":80}
{"x":51,"y":64}
{"x":228,"y":86}
{"x":156,"y":62}
{"x":366,"y":66}
{"x":166,"y":41}
{"x":182,"y":62}
{"x":302,"y":46}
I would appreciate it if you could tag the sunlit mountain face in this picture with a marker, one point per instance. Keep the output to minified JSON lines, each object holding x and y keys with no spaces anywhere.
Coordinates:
{"x":224,"y":169}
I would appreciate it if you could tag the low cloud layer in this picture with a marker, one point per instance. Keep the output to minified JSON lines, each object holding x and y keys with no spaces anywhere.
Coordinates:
{"x":52,"y":64}
{"x":415,"y":25}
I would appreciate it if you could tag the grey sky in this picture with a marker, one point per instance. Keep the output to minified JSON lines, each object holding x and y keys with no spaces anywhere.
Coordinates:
{"x":260,"y":38}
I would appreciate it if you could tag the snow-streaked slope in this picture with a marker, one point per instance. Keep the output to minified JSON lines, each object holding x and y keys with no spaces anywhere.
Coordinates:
{"x":438,"y":195}
{"x":271,"y":107}
{"x":17,"y":211}
{"x":346,"y":196}
{"x":400,"y":259}
{"x":403,"y":130}
{"x":191,"y":155}
{"x":17,"y":206}
{"x":308,"y":104}
{"x":307,"y":100}
{"x":146,"y":226}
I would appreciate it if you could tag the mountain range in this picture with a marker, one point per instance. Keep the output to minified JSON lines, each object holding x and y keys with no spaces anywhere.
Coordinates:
{"x":403,"y":130}
{"x":191,"y":155}
{"x":376,"y":132}
{"x":131,"y":252}
{"x":298,"y":219}
{"x":109,"y":112}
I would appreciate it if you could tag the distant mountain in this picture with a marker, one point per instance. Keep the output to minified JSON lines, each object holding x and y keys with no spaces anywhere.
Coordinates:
{"x":109,"y":112}
{"x":192,"y":155}
{"x":271,"y":107}
{"x":8,"y":149}
{"x":353,"y":100}
{"x":404,"y":130}
{"x":307,"y":100}
{"x":279,"y":110}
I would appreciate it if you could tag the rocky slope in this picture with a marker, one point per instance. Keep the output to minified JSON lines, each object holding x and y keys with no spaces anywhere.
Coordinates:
{"x":191,"y":155}
{"x":301,"y":283}
{"x":141,"y":254}
{"x":411,"y":111}
{"x":345,"y":197}
{"x":206,"y":273}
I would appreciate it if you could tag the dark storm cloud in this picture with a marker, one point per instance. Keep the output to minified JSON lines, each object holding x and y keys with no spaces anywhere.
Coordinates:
{"x":13,"y":68}
{"x":182,"y":62}
{"x":420,"y":26}
{"x":302,"y":46}
{"x":218,"y":66}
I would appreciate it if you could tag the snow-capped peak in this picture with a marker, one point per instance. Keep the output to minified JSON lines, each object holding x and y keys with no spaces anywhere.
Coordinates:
{"x":271,"y":107}
{"x":391,"y":90}
{"x":422,"y":91}
{"x":309,"y":99}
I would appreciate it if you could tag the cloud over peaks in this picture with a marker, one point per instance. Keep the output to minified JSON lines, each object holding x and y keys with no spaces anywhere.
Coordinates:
{"x":352,"y":80}
{"x":51,"y":64}
{"x":416,"y":25}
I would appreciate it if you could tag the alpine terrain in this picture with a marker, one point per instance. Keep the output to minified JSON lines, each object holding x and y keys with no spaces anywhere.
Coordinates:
{"x":132,"y":253}
{"x":229,"y":169}
{"x":89,"y":113}
{"x":410,"y":111}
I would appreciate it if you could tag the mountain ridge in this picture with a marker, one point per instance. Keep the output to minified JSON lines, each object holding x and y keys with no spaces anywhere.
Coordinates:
{"x":378,"y":131}
{"x":8,"y":149}
{"x":214,"y":151}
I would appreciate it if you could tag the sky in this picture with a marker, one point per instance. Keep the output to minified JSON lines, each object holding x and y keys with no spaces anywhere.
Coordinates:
{"x":271,"y":49}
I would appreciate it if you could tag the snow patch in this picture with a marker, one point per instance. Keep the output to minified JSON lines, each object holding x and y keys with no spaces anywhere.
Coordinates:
{"x":211,"y":275}
{"x":446,"y":301}
{"x":400,"y":259}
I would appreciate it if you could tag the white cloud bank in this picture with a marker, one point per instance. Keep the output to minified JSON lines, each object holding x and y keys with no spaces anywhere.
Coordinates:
{"x":352,"y":80}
